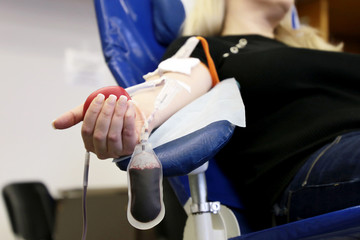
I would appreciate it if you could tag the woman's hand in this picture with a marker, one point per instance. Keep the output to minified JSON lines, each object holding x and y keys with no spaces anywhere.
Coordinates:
{"x":111,"y":127}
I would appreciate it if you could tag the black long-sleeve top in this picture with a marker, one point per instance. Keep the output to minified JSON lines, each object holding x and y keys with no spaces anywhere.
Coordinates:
{"x":296,"y":101}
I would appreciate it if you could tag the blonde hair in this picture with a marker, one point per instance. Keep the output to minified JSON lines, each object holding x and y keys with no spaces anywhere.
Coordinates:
{"x":199,"y":22}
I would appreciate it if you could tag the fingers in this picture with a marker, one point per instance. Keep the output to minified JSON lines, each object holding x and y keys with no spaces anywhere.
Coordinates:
{"x":115,"y":141}
{"x":109,"y":128}
{"x":90,"y":120}
{"x":129,"y":134}
{"x":122,"y":135}
{"x":69,"y":119}
{"x":103,"y":123}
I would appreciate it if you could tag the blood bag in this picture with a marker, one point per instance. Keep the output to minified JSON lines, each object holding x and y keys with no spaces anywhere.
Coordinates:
{"x":145,"y":207}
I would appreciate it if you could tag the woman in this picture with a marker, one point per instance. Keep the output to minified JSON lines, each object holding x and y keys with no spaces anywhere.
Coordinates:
{"x":301,"y":106}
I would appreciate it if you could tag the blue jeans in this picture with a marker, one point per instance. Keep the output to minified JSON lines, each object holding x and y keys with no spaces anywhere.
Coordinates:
{"x":328,"y":181}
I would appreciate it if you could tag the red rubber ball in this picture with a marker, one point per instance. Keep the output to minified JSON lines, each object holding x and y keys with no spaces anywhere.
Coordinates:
{"x":106,"y":91}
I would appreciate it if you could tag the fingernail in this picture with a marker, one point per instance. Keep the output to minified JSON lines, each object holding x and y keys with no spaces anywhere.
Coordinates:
{"x":122,"y":100}
{"x":99,"y":98}
{"x":111,"y":99}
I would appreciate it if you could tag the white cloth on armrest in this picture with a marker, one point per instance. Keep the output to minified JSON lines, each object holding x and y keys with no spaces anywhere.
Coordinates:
{"x":223,"y":102}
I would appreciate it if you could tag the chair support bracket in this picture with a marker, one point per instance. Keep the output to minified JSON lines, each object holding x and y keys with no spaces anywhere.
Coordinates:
{"x":212,"y":207}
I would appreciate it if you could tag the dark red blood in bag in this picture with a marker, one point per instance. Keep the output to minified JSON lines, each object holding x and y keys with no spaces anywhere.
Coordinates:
{"x":106,"y":91}
{"x":145,"y":193}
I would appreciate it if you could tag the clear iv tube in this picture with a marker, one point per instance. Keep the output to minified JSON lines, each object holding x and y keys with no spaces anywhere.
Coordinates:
{"x":170,"y":89}
{"x":85,"y":185}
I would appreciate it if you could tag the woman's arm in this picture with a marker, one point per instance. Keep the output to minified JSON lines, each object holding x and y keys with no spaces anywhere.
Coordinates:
{"x":111,"y":127}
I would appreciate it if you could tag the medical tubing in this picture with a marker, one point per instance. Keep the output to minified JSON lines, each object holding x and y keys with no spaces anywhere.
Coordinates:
{"x":85,"y":185}
{"x":145,"y":85}
{"x":160,"y":99}
{"x":170,"y":89}
{"x":164,"y":97}
{"x":144,"y":134}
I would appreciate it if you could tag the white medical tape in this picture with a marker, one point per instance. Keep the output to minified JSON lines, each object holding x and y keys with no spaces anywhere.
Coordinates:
{"x":154,"y":83}
{"x":181,"y":66}
{"x":169,"y":91}
{"x":178,"y":65}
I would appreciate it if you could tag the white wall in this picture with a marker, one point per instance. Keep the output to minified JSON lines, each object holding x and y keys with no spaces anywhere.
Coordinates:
{"x":39,"y":79}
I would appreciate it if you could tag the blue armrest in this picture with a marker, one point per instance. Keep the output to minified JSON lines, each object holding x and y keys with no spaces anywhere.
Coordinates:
{"x":185,"y":154}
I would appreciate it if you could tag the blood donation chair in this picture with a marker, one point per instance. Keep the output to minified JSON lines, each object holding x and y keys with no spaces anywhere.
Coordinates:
{"x":134,"y":34}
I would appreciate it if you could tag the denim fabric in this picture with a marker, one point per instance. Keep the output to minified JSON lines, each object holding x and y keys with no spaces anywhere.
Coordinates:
{"x":328,"y":181}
